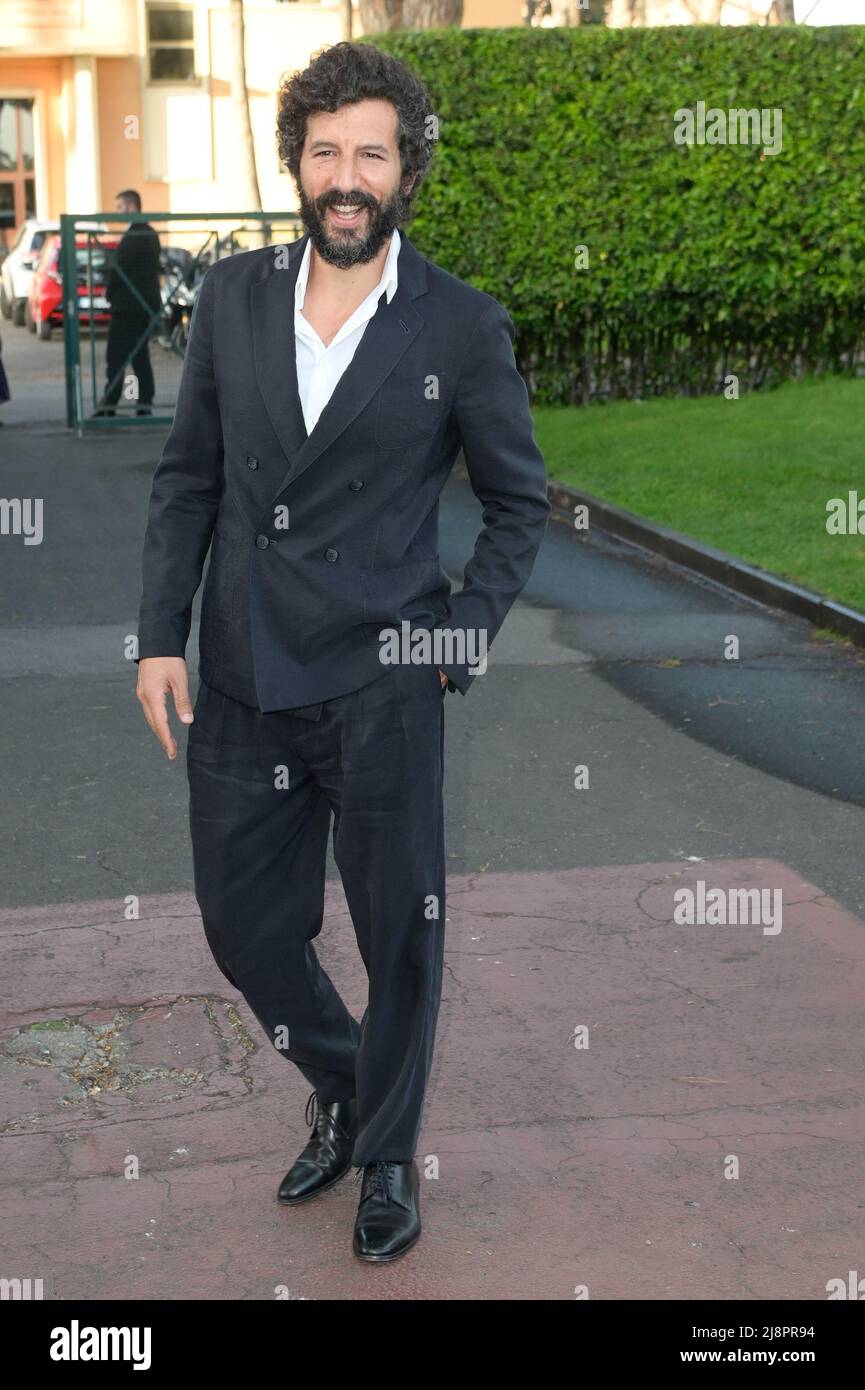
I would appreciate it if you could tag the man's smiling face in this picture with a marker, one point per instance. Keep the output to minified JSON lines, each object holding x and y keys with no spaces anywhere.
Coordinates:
{"x":350,"y":177}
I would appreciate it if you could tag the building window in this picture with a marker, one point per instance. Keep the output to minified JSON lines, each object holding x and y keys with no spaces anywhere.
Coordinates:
{"x":17,"y":180}
{"x":171,"y":43}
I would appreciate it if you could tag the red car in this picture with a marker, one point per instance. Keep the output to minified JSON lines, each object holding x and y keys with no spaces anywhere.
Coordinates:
{"x":45,"y":303}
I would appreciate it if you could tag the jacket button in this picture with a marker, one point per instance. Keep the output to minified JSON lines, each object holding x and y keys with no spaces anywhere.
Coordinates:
{"x":331,"y":555}
{"x":356,"y":484}
{"x":262,"y":542}
{"x":251,"y":462}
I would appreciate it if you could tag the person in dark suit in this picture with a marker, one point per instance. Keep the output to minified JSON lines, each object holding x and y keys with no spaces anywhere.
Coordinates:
{"x":327,"y":389}
{"x":132,"y":289}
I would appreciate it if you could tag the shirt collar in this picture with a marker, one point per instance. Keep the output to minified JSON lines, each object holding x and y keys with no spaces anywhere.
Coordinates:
{"x":388,"y":282}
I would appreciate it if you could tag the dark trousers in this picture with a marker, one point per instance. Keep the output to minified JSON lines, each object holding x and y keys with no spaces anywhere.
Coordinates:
{"x":124,"y":332}
{"x":374,"y":760}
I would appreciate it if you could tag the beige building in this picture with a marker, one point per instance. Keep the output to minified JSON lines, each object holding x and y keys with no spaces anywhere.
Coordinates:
{"x":99,"y":95}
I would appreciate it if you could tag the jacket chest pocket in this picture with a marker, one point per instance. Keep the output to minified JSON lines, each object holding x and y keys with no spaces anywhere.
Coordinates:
{"x":411,"y":408}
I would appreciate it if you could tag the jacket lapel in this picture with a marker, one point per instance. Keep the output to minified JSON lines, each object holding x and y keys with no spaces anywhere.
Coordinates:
{"x":388,"y":334}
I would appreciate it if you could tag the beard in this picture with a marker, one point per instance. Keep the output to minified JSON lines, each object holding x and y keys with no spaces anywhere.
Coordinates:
{"x":350,"y":246}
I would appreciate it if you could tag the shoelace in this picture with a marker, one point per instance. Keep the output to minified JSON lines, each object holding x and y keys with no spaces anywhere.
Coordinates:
{"x":322,"y":1120}
{"x":380,"y":1179}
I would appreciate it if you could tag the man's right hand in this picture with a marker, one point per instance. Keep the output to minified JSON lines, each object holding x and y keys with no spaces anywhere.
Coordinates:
{"x":157,"y":675}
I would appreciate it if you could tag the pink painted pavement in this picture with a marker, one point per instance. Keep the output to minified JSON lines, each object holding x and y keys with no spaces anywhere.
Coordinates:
{"x":557,"y":1166}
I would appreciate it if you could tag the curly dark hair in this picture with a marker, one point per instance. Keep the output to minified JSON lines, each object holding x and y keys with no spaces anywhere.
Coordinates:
{"x":345,"y":73}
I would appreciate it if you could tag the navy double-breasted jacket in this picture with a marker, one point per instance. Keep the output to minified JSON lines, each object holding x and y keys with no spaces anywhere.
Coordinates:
{"x":320,"y":542}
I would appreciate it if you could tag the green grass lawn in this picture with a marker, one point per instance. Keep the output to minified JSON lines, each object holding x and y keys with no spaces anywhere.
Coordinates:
{"x":751,"y":476}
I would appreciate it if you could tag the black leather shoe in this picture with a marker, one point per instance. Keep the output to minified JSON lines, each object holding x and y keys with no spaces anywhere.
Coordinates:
{"x":327,"y":1156}
{"x":388,"y":1213}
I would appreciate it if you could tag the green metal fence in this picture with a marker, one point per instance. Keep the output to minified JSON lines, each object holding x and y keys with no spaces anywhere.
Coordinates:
{"x":88,"y":247}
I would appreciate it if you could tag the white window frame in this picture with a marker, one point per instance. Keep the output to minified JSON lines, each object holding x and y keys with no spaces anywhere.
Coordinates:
{"x":149,"y":7}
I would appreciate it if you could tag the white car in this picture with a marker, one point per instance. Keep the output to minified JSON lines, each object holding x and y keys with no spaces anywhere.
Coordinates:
{"x":16,"y":274}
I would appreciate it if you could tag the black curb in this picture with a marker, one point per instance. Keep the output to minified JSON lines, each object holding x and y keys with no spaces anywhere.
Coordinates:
{"x":715,"y":564}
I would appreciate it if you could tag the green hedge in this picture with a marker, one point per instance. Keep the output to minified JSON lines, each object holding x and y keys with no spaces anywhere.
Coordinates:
{"x":704,"y":259}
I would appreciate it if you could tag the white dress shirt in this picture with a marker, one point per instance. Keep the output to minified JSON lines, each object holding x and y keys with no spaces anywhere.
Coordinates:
{"x":319,"y":368}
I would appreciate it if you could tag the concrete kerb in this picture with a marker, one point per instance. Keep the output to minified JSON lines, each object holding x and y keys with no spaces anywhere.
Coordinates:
{"x":714,"y":564}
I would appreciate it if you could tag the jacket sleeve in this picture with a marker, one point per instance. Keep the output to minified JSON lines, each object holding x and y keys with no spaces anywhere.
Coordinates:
{"x":184,"y":499}
{"x":509,"y":477}
{"x":111,"y":277}
{"x":122,"y":270}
